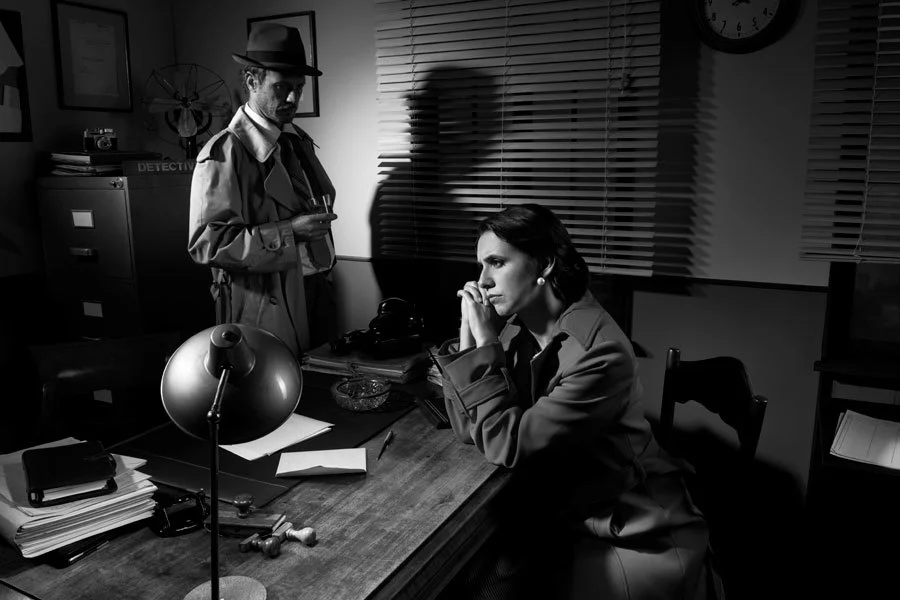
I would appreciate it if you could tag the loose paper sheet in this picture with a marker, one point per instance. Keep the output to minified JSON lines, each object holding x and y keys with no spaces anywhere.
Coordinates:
{"x":867,"y":439}
{"x":296,"y":429}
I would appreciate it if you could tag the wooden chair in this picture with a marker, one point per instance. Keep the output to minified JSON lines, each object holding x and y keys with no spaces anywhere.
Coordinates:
{"x":722,"y":483}
{"x":722,"y":386}
{"x":105,"y":389}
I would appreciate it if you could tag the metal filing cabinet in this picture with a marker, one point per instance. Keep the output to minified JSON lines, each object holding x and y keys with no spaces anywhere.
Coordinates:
{"x":115,"y":250}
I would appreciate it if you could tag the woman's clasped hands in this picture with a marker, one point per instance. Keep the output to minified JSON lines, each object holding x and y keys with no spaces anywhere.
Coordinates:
{"x":477,"y":316}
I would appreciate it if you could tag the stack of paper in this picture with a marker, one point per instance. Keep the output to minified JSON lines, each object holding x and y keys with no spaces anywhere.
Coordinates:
{"x":867,"y":439}
{"x":36,"y":531}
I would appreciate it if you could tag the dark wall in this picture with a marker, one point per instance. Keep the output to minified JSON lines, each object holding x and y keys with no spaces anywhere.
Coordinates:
{"x":25,"y":319}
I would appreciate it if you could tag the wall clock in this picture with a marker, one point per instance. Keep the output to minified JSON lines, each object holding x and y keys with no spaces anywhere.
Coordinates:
{"x":740,"y":26}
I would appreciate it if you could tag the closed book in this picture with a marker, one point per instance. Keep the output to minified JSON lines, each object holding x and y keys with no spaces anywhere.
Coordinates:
{"x":67,"y":473}
{"x":113,"y":157}
{"x":399,"y":369}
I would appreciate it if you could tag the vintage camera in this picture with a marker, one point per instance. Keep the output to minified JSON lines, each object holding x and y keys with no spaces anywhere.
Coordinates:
{"x":100,"y":140}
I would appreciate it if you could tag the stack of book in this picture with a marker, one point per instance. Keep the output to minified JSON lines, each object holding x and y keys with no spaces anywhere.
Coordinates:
{"x":400,"y":369}
{"x":37,"y":530}
{"x":93,"y":163}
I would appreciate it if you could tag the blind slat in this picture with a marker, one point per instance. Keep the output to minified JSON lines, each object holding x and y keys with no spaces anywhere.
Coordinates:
{"x":488,"y":102}
{"x":852,"y":200}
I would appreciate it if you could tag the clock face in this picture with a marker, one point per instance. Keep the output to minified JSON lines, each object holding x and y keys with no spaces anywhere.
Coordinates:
{"x":737,"y":19}
{"x":743,"y":25}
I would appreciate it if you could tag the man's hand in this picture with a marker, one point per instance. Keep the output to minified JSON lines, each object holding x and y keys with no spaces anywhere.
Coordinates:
{"x":308,"y":227}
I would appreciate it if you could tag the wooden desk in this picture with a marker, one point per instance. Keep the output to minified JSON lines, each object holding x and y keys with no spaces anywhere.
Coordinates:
{"x":400,"y":531}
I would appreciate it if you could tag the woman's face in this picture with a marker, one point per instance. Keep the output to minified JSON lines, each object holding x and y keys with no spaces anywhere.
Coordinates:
{"x":508,"y":275}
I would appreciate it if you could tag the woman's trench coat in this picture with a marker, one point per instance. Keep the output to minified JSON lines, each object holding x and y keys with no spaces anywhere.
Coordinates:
{"x":596,"y":508}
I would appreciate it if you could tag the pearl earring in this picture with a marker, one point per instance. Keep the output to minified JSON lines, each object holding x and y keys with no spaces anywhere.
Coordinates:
{"x":541,"y":281}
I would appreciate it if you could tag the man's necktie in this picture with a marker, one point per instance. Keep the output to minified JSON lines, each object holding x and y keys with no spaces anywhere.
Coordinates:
{"x":292,"y":166}
{"x":320,"y":253}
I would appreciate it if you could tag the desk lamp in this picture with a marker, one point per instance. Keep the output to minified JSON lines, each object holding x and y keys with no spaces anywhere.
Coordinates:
{"x":230,"y":384}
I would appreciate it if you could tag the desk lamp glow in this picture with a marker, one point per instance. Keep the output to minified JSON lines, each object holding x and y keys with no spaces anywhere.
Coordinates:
{"x":229,"y":384}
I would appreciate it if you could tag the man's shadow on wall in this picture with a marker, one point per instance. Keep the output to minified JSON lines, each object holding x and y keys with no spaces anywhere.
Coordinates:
{"x":454,"y":123}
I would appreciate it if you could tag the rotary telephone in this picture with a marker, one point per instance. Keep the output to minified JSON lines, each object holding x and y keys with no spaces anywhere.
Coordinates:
{"x":394,"y":331}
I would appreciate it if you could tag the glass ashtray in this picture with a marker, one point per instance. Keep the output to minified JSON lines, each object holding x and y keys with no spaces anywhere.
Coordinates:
{"x":361,"y":393}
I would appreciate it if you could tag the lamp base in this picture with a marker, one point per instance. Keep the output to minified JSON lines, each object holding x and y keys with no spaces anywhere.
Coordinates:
{"x":233,"y":587}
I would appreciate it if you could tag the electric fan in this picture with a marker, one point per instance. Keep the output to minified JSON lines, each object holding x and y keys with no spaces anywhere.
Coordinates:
{"x":186,"y":104}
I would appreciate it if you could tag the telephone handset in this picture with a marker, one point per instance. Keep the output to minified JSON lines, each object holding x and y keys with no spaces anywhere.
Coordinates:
{"x":395,"y":319}
{"x":394,"y":331}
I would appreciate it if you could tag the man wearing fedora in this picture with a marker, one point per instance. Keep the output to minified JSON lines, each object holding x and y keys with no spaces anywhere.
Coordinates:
{"x":261,"y":203}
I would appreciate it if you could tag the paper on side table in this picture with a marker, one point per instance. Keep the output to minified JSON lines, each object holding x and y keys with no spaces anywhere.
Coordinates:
{"x":321,"y":462}
{"x":296,"y":429}
{"x":867,"y":439}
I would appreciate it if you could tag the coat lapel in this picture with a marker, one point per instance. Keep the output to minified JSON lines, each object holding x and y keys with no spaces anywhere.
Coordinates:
{"x":277,"y":183}
{"x":278,"y":186}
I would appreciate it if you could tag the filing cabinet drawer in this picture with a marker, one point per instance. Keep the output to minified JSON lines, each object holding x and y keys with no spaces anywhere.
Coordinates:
{"x":116,"y":256}
{"x":97,"y":309}
{"x":86,"y":232}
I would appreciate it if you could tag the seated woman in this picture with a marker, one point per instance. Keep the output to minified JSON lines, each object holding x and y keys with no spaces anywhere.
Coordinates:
{"x":543,"y":381}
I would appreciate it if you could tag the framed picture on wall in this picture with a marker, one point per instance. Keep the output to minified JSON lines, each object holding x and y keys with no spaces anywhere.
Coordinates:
{"x":15,"y":118}
{"x":91,"y":57}
{"x":306,"y":23}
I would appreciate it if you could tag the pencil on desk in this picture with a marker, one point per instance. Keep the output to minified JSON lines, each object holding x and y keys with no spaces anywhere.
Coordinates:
{"x":387,"y":442}
{"x":434,"y":360}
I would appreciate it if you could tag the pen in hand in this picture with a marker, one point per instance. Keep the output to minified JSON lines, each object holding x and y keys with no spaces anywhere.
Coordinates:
{"x":387,"y":441}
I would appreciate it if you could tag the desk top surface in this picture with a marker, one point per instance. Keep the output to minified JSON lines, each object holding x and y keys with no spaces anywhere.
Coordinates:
{"x":395,"y":532}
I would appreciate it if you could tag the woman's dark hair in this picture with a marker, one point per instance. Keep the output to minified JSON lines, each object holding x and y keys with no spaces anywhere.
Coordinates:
{"x":537,"y":232}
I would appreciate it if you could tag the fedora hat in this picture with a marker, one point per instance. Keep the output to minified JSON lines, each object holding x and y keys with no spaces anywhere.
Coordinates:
{"x":278,"y":48}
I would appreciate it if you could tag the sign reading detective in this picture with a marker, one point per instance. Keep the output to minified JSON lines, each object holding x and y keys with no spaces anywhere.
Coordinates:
{"x":158,"y":167}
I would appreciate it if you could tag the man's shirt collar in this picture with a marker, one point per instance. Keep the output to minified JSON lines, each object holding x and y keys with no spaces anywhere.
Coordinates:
{"x":272,"y":130}
{"x":269,"y":129}
{"x":258,"y":134}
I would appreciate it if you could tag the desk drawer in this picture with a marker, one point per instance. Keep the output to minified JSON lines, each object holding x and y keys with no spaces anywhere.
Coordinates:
{"x":86,"y":232}
{"x":97,"y":309}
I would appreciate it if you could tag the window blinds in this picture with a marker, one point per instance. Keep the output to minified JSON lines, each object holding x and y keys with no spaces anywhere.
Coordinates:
{"x":487,"y":103}
{"x":852,"y":207}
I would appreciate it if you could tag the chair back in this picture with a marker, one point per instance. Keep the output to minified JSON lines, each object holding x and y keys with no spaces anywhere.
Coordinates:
{"x":722,"y":482}
{"x":131,"y":366}
{"x":722,"y":386}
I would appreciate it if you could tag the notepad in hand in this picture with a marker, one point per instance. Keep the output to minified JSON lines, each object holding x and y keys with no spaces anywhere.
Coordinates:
{"x":321,"y":462}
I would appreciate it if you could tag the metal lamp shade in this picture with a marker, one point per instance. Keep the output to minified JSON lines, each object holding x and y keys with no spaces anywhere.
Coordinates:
{"x":261,"y":392}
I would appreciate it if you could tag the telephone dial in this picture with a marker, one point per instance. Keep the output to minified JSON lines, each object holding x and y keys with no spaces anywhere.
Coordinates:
{"x":394,"y":331}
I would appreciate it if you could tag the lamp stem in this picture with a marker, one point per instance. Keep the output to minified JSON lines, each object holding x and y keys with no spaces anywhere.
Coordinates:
{"x":213,"y":417}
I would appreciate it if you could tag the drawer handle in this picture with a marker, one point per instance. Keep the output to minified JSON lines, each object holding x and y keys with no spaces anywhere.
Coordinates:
{"x":87,"y":252}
